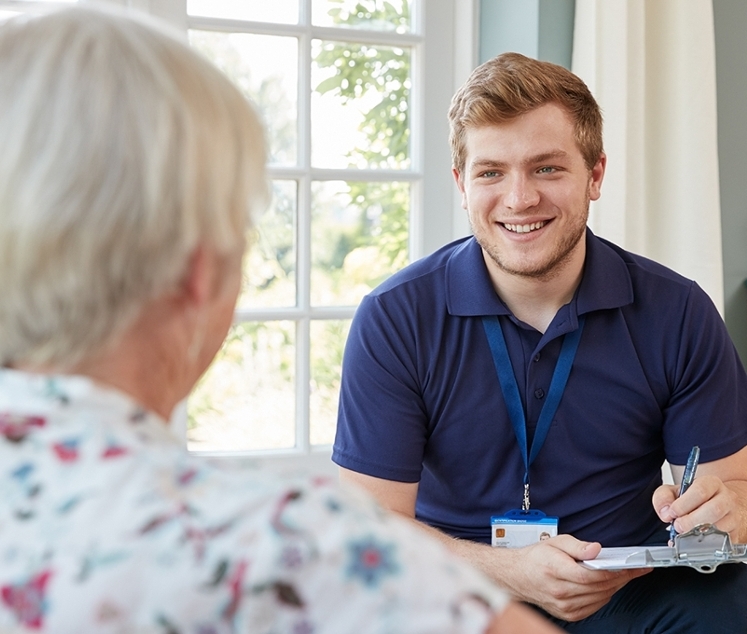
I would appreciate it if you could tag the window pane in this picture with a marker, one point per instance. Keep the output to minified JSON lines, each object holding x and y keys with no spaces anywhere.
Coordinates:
{"x":270,"y":264}
{"x":359,"y":236}
{"x":359,"y":106}
{"x":327,"y":344}
{"x":280,"y":11}
{"x":264,"y":67}
{"x":380,"y":15}
{"x":246,"y":399}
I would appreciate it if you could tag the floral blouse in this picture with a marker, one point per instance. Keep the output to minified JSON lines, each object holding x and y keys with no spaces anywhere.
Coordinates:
{"x":108,"y":525}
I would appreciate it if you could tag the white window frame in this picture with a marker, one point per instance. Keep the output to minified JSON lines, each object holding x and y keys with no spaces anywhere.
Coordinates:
{"x":444,"y":42}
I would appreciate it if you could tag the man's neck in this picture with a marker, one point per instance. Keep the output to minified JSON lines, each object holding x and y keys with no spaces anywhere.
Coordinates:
{"x":536,"y":300}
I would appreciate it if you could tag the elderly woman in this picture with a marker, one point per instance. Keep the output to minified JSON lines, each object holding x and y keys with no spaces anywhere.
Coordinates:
{"x":128,"y":171}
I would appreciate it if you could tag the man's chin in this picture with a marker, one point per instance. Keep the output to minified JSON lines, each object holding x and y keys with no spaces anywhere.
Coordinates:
{"x":539,"y":269}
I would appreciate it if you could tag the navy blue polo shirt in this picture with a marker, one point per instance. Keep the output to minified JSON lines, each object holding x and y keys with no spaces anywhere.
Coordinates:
{"x":655,"y":373}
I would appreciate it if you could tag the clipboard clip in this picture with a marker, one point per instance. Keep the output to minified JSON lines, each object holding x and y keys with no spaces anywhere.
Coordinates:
{"x":705,"y":547}
{"x":702,"y":548}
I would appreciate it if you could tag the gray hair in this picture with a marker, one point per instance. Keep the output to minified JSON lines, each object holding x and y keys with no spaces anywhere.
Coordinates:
{"x":120,"y":151}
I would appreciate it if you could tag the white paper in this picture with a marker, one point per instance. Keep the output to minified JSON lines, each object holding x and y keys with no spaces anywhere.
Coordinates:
{"x":629,"y":557}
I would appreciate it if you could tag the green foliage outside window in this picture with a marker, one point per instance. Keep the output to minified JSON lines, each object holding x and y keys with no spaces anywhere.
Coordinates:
{"x":360,"y":68}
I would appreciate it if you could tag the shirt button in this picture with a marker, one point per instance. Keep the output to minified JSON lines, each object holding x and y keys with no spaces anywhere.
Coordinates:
{"x":536,"y":357}
{"x":539,"y":392}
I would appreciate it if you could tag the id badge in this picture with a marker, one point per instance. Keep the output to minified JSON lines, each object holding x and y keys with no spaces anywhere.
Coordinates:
{"x":517,"y":528}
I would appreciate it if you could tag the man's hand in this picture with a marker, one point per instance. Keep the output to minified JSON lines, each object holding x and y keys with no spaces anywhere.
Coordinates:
{"x":548,"y":574}
{"x":707,"y":501}
{"x":717,"y":496}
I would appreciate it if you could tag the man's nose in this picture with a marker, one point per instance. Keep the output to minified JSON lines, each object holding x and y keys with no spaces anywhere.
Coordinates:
{"x":521,"y":193}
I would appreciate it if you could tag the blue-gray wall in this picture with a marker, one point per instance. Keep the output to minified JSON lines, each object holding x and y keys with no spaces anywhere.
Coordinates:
{"x":730,"y":17}
{"x":542,"y":29}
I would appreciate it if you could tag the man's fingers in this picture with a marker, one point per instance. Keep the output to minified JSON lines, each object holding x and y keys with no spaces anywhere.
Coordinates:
{"x":707,"y":501}
{"x":662,"y":500}
{"x":575,"y":548}
{"x":561,"y":585}
{"x":701,"y":490}
{"x":573,"y":602}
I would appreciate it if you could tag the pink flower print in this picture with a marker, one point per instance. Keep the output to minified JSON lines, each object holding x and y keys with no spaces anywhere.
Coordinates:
{"x":66,"y":450}
{"x":184,"y":478}
{"x":235,"y":584}
{"x":114,"y":451}
{"x":16,"y":427}
{"x":200,"y":537}
{"x":27,"y":600}
{"x":322,"y":481}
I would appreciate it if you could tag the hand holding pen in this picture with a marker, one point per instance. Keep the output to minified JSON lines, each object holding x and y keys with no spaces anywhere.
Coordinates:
{"x":687,"y":480}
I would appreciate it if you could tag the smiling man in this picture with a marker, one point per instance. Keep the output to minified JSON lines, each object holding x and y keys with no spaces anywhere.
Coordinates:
{"x":536,"y":367}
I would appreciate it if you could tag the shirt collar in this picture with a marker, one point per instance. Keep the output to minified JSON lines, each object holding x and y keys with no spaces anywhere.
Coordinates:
{"x":605,"y":284}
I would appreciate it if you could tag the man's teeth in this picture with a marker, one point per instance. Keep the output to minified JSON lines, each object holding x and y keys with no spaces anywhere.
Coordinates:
{"x":525,"y":228}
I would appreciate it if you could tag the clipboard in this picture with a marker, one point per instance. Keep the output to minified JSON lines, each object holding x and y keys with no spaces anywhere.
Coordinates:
{"x":703,"y":548}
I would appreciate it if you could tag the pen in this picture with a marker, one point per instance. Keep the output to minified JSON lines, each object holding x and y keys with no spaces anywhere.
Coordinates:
{"x":687,"y":480}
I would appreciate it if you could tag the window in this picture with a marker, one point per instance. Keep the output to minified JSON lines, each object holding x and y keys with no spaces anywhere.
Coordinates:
{"x":333,"y":80}
{"x":355,"y":162}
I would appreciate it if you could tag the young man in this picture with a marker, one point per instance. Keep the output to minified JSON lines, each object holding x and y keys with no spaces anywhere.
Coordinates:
{"x":537,"y":365}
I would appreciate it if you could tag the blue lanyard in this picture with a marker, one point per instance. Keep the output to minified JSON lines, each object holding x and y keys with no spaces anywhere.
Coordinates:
{"x":511,"y":391}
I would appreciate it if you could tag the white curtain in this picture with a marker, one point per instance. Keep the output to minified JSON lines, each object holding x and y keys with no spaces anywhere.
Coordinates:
{"x":651,"y":65}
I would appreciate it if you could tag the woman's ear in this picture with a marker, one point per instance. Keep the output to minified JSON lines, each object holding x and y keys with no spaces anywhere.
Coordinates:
{"x":201,"y":276}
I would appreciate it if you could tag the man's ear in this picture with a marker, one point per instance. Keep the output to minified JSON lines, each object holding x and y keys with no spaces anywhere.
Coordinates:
{"x":597,"y":176}
{"x":460,"y":185}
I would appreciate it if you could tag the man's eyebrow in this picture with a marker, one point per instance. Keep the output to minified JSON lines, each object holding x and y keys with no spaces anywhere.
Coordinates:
{"x":547,"y":156}
{"x":481,"y":163}
{"x":486,"y":162}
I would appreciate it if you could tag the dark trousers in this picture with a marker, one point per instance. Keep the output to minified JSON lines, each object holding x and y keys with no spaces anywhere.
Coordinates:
{"x":675,"y":600}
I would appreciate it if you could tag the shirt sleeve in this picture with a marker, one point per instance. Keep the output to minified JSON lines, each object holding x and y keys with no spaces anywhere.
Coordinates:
{"x":708,"y":404}
{"x":382,"y":422}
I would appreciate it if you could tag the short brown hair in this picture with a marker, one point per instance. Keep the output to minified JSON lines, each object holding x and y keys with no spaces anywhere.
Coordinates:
{"x":510,"y":85}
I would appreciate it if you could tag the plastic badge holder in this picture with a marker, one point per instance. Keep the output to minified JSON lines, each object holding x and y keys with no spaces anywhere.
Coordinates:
{"x":703,"y":548}
{"x":518,"y":528}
